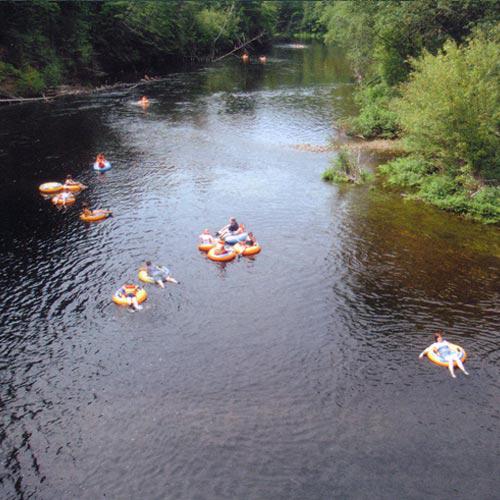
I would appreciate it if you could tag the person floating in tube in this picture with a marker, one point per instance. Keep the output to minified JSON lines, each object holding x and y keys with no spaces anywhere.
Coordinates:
{"x":206,"y":238}
{"x":100,"y":160}
{"x":444,"y":348}
{"x":159,"y":274}
{"x":129,"y":291}
{"x":220,"y":248}
{"x":231,"y":228}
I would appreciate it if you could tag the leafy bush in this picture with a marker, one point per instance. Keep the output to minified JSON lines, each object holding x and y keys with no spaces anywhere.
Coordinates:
{"x":52,"y":74}
{"x":447,"y":193}
{"x":375,"y":118}
{"x":450,"y":108}
{"x":30,"y":82}
{"x":345,"y":169}
{"x":406,"y":172}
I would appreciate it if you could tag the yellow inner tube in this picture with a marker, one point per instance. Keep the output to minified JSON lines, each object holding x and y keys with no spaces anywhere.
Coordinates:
{"x":59,"y":200}
{"x":242,"y":249}
{"x":74,"y":188}
{"x":94,"y":217}
{"x":221,"y":257}
{"x":144,"y":276}
{"x":50,"y":187}
{"x":122,"y":300}
{"x":438,"y":360}
{"x":205,"y":247}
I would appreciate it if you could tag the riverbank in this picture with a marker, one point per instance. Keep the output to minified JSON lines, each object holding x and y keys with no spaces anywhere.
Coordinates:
{"x":74,"y":90}
{"x":468,"y":196}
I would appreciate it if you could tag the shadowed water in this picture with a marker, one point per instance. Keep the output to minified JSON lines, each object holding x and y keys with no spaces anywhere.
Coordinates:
{"x":294,"y":374}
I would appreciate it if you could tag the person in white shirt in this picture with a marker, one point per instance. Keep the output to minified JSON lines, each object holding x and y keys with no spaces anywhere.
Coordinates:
{"x":446,"y":352}
{"x":206,"y":238}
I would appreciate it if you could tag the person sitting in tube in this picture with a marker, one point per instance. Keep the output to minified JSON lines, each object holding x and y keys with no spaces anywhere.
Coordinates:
{"x":71,"y":182}
{"x":65,"y":196}
{"x":206,"y":238}
{"x":159,"y":274}
{"x":250,"y":240}
{"x":220,"y":248}
{"x":86,"y":210}
{"x":88,"y":213}
{"x":230,"y":228}
{"x":100,"y":160}
{"x":443,"y":347}
{"x":129,"y":291}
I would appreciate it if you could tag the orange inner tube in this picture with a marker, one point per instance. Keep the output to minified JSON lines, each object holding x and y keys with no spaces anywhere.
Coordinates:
{"x":228,"y":255}
{"x":74,"y":188}
{"x":50,"y":187}
{"x":253,"y":250}
{"x":96,"y":215}
{"x":205,"y":247}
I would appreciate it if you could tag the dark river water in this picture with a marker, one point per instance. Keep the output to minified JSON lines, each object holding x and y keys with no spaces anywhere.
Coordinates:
{"x":291,"y":375}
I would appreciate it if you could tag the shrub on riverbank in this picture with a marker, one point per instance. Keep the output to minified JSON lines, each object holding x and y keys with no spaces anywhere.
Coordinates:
{"x":346,"y":169}
{"x":376,"y":117}
{"x":450,"y":110}
{"x":423,"y":181}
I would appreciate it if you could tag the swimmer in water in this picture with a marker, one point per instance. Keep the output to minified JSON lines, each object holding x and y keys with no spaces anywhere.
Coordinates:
{"x":144,"y":101}
{"x":446,"y":352}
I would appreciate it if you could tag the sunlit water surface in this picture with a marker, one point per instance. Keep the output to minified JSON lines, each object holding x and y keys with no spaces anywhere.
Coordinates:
{"x":290,"y":375}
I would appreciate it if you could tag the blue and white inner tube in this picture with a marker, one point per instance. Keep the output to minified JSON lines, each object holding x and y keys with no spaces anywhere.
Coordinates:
{"x":232,"y":239}
{"x":107,"y":166}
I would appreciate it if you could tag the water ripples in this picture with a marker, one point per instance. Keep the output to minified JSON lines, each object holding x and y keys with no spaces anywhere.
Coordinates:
{"x":264,"y":377}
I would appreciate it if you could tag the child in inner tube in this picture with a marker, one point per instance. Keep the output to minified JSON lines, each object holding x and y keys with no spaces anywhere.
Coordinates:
{"x":444,"y":349}
{"x":129,"y":291}
{"x":250,"y":240}
{"x":220,"y":248}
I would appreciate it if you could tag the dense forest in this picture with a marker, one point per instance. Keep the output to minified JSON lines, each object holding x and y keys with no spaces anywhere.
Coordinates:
{"x":427,"y":71}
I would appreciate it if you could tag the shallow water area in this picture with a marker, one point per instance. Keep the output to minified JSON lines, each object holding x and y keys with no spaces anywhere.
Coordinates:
{"x":291,"y":374}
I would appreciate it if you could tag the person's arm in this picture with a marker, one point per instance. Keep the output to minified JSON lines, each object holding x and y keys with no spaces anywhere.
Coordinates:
{"x":425,"y":351}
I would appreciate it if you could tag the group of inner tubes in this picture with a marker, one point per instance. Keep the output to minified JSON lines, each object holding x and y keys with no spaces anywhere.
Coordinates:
{"x":232,"y":240}
{"x":63,"y":195}
{"x":245,"y":57}
{"x":132,"y":296}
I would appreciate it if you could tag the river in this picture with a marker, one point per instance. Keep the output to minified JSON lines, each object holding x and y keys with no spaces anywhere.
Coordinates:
{"x":291,"y":375}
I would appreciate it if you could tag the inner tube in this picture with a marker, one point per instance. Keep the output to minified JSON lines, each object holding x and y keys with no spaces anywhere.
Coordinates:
{"x":228,"y":255}
{"x":242,"y":249}
{"x":63,"y":199}
{"x":107,"y":166}
{"x":74,"y":188}
{"x":50,"y":187}
{"x":120,"y":298}
{"x":440,"y":357}
{"x":144,"y":276}
{"x":205,"y":247}
{"x":253,"y":250}
{"x":234,"y":238}
{"x":96,"y":215}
